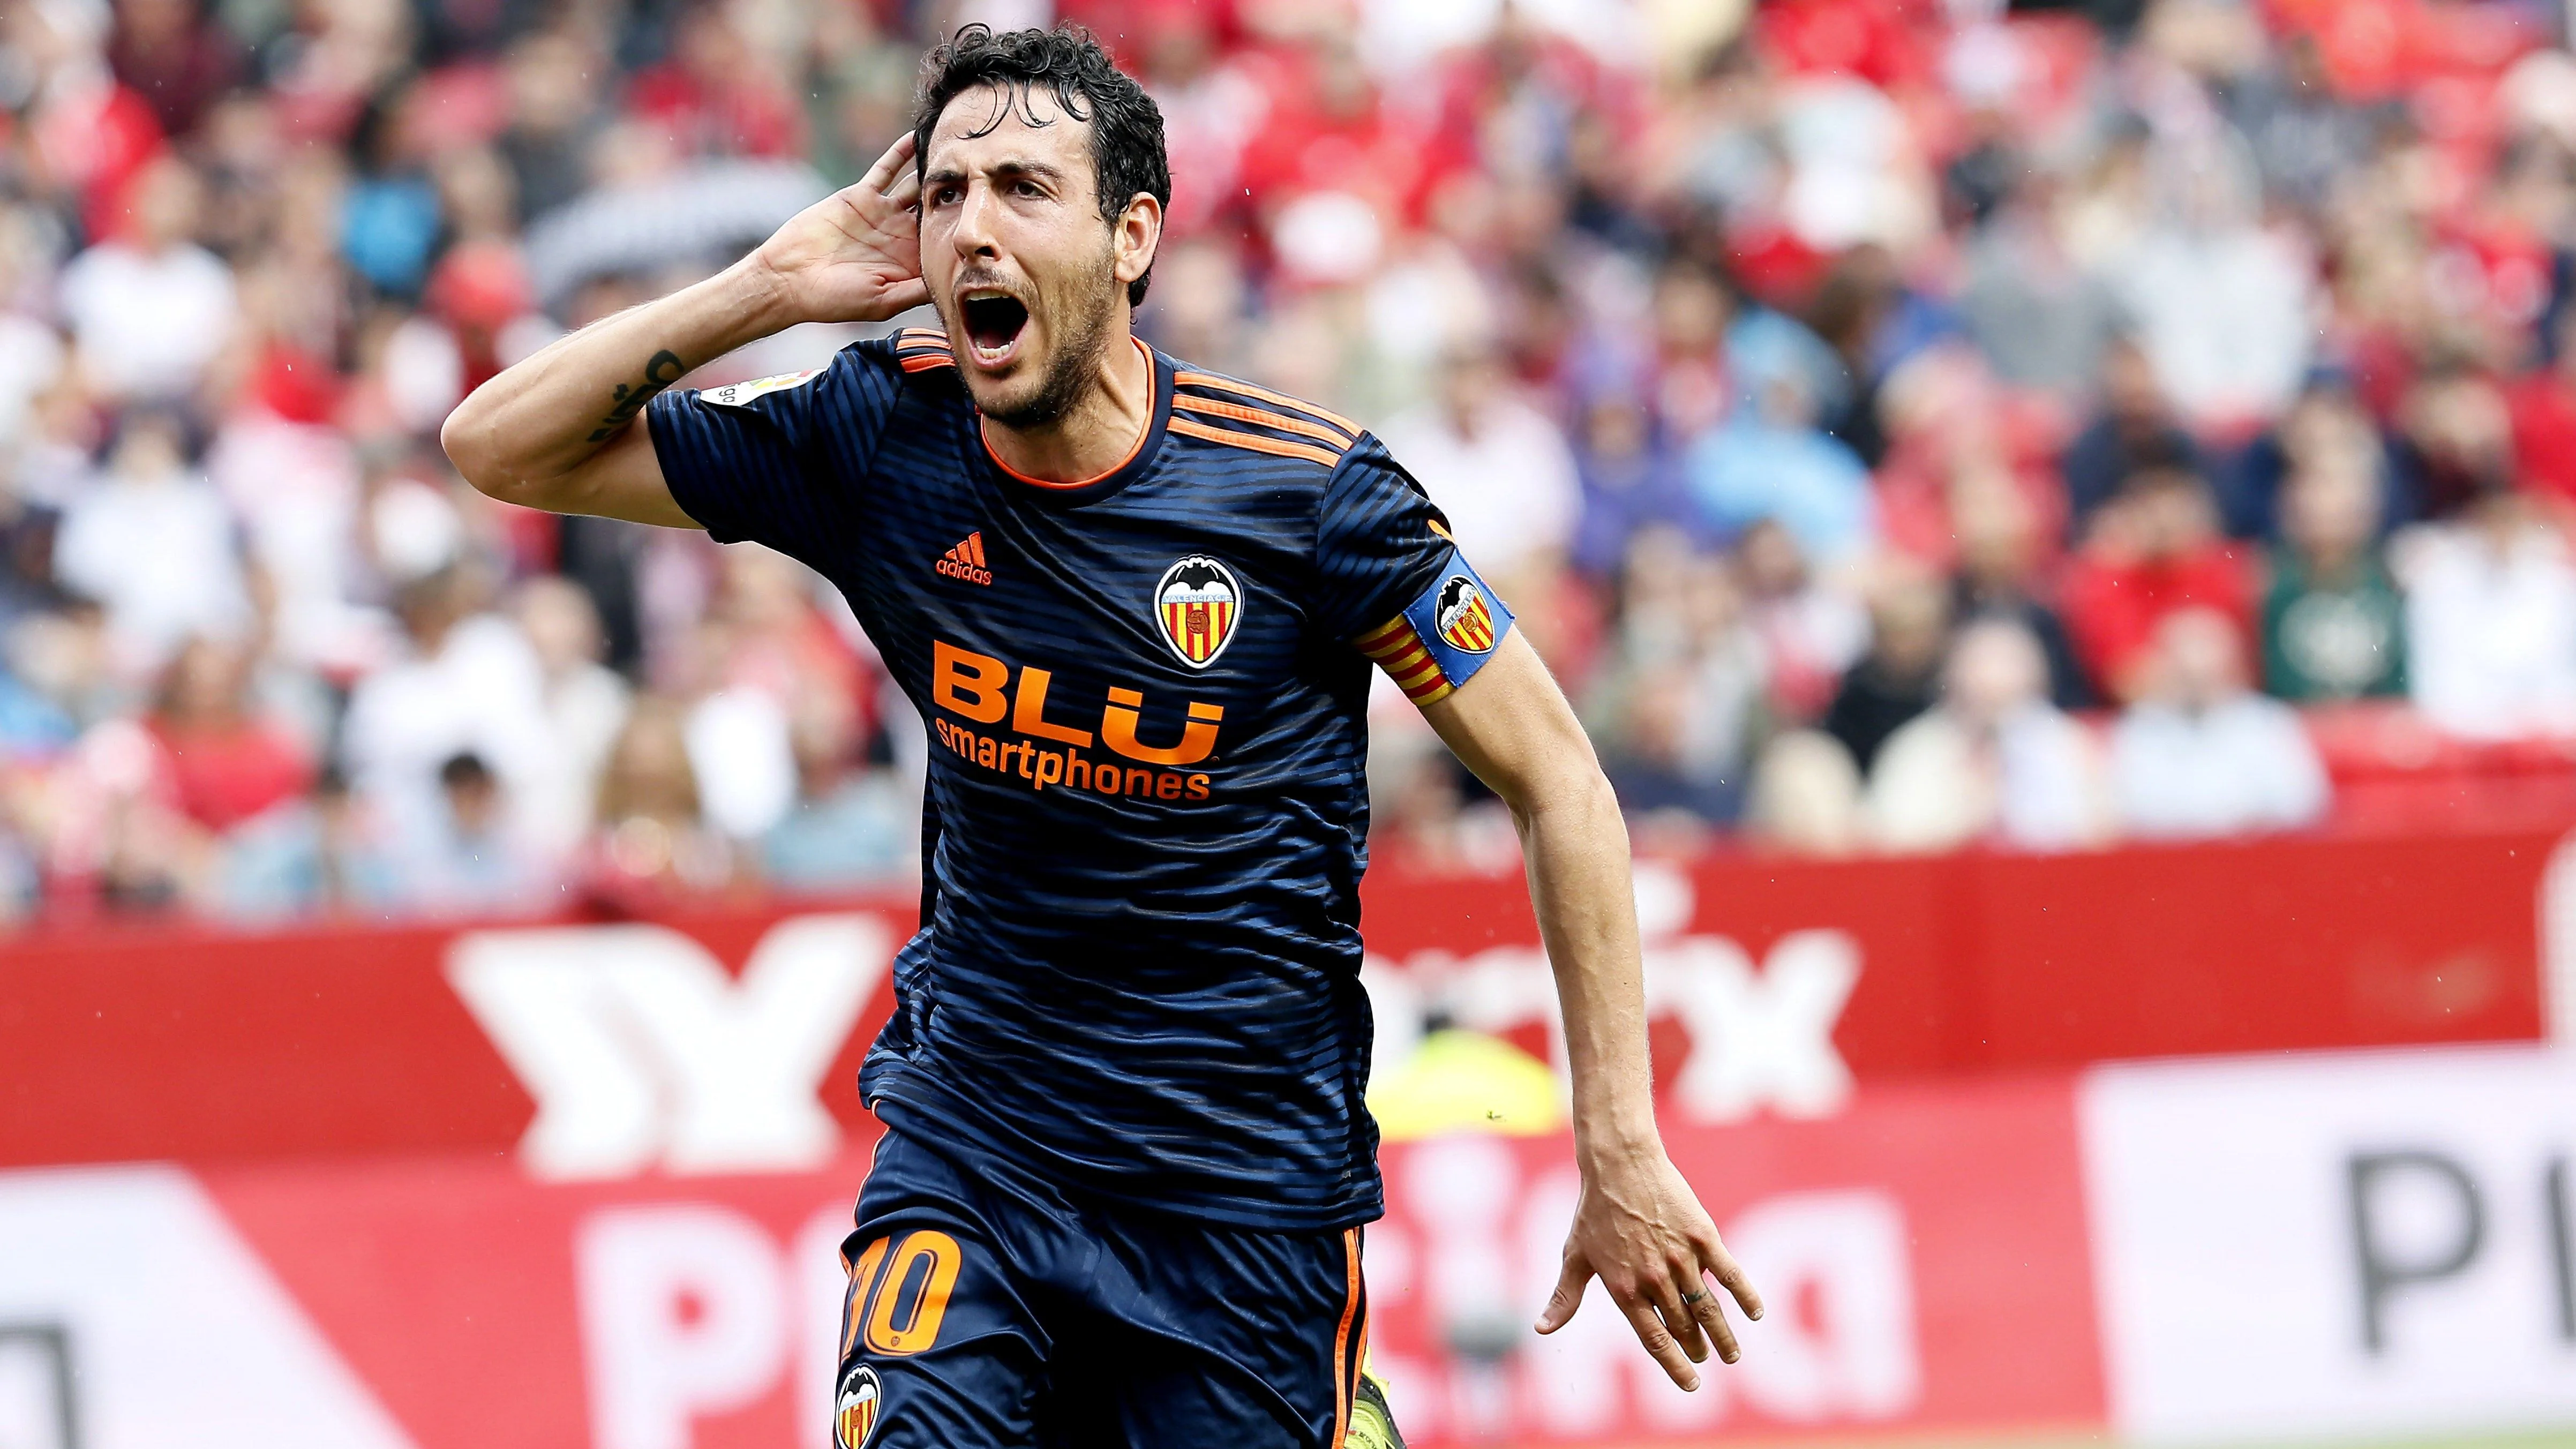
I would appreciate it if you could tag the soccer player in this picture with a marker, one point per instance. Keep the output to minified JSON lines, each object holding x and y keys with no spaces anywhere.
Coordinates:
{"x":1126,"y":1163}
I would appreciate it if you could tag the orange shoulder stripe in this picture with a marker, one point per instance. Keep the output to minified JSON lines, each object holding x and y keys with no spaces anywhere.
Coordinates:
{"x":1278,"y":399}
{"x":925,"y":362}
{"x":1255,"y":442}
{"x":1258,"y":418}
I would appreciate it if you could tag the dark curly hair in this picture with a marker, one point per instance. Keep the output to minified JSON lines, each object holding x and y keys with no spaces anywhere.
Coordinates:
{"x":1127,"y":154}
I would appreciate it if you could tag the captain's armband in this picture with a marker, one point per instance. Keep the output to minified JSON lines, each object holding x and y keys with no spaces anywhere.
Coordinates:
{"x":1443,"y":637}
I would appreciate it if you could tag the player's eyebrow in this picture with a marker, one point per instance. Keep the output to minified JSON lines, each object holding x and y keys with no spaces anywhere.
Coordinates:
{"x":1020,"y":166}
{"x":1009,"y":168}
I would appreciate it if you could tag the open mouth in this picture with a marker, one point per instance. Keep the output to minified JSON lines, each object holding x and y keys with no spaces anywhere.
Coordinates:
{"x":994,"y":321}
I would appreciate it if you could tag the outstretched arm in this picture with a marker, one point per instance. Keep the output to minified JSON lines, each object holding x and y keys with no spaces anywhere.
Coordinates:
{"x":1637,"y":1226}
{"x":562,"y":430}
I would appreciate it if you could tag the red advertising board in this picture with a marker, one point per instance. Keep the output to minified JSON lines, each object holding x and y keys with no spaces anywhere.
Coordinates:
{"x":595,"y":1172}
{"x":201,"y":1044}
{"x":1924,"y":1255}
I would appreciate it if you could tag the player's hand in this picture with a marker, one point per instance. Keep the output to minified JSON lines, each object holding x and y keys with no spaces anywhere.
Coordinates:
{"x":855,"y":255}
{"x":1639,"y":1228}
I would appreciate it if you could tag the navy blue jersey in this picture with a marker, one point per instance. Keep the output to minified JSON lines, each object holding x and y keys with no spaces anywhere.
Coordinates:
{"x":1146,"y":815}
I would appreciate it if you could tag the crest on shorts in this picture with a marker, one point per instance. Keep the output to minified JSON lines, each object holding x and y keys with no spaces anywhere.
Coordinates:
{"x":854,"y":1410}
{"x":1198,"y":605}
{"x":1462,"y":617}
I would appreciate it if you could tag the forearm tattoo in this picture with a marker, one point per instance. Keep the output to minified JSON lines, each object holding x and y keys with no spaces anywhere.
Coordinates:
{"x":626,"y":402}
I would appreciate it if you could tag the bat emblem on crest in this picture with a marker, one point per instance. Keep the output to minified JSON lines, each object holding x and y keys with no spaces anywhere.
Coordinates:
{"x":1198,"y":606}
{"x":1463,"y":619}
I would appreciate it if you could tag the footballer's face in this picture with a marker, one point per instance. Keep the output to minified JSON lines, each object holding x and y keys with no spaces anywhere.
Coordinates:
{"x":1029,"y":277}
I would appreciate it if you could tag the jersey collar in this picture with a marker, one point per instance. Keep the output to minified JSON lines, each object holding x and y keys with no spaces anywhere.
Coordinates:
{"x":1134,"y":466}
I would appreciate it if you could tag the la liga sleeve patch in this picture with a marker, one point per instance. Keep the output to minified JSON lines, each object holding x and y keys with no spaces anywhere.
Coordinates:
{"x":740,"y":394}
{"x":1443,"y":637}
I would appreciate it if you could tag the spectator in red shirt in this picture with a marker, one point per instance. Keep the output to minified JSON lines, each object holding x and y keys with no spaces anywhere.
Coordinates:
{"x":2543,"y":407}
{"x":1213,"y":106}
{"x":2155,"y":548}
{"x":226,"y":765}
{"x":716,"y":95}
{"x":176,"y":59}
{"x":1508,"y":103}
{"x":1329,"y":133}
{"x":2455,"y":437}
{"x":1688,"y":383}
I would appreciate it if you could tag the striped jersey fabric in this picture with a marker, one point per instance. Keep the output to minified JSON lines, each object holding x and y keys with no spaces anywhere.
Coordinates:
{"x":1146,"y":814}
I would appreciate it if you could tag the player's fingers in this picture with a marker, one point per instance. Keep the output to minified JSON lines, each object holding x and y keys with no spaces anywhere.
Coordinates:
{"x":1660,"y":1342}
{"x":883,"y":171}
{"x":881,"y":212}
{"x":905,"y":295}
{"x":1721,"y":1264}
{"x":1671,"y":1296}
{"x":1568,"y":1295}
{"x":1708,"y":1311}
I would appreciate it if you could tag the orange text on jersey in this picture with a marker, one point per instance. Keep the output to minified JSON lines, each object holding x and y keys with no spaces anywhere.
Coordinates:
{"x":979,"y":687}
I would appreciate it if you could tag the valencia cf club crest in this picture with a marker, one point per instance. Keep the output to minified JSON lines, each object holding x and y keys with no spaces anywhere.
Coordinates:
{"x":1463,"y":618}
{"x":854,"y":1412}
{"x":1198,"y":605}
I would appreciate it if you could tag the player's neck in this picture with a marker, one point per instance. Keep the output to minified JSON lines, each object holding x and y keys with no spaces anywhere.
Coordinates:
{"x":1100,"y":431}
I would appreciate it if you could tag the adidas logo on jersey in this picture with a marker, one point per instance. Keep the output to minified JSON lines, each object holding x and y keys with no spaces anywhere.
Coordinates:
{"x":966,"y":561}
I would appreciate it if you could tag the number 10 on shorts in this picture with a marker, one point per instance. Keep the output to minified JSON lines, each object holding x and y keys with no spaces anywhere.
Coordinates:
{"x":897,"y":1299}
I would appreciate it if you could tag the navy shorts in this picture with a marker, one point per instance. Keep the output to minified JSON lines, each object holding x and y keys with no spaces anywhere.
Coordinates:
{"x":989,"y":1309}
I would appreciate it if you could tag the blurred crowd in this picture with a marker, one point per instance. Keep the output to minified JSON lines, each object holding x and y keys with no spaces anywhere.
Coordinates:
{"x":1902,"y":424}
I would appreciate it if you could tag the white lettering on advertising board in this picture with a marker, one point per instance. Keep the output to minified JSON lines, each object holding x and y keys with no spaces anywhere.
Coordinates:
{"x":642,"y":1052}
{"x":1761,"y":1035}
{"x":2368,"y":1243}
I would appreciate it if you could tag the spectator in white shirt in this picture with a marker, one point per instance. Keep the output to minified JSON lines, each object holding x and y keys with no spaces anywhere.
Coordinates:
{"x":152,"y":541}
{"x":2201,"y":754}
{"x":464,"y":856}
{"x":149,"y":309}
{"x":2491,"y":622}
{"x":1497,"y":466}
{"x":1994,"y":760}
{"x":584,"y":705}
{"x":2223,"y":304}
{"x":470,"y":685}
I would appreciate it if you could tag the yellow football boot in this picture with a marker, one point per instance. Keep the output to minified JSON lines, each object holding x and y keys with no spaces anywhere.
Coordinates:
{"x":1372,"y":1423}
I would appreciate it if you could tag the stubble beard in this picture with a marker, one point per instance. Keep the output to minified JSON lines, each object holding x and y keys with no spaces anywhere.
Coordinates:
{"x":1071,"y":371}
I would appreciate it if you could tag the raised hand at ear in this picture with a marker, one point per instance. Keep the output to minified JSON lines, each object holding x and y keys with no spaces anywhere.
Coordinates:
{"x":855,"y":255}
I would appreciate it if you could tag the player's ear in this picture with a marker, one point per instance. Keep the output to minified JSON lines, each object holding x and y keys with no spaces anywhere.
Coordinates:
{"x":1139,"y":235}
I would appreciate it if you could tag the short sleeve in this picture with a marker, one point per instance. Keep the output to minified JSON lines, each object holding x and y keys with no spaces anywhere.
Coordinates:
{"x":744,"y":459}
{"x":1393,"y":583}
